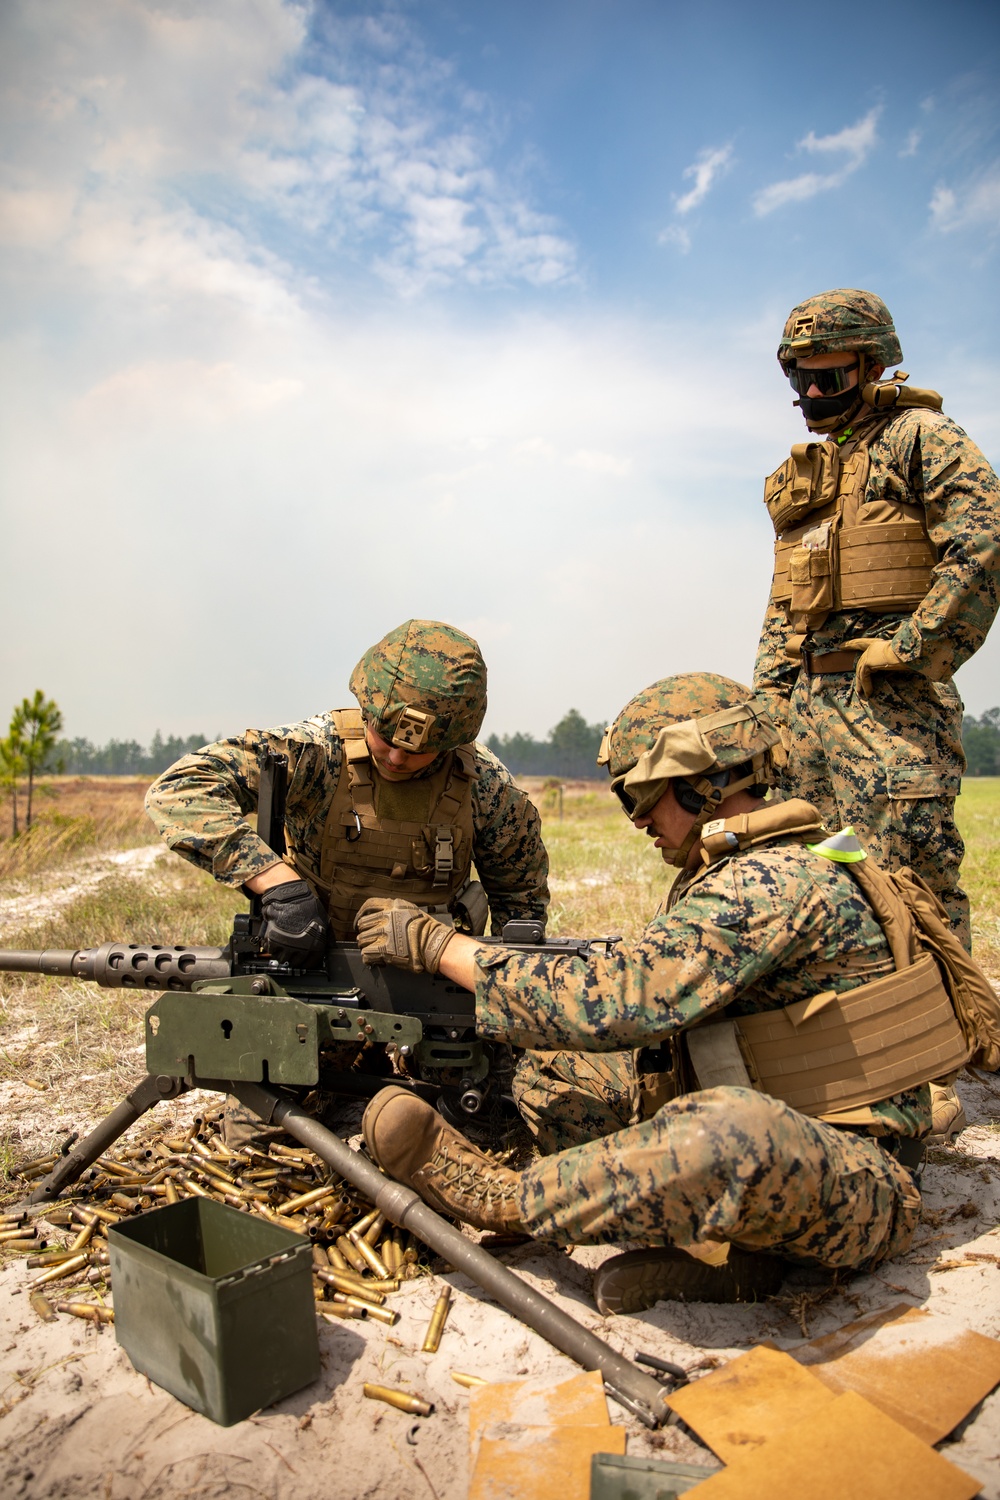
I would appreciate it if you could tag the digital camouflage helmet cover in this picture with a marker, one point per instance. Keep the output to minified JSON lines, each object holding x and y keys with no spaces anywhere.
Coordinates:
{"x":695,"y":730}
{"x":422,"y":687}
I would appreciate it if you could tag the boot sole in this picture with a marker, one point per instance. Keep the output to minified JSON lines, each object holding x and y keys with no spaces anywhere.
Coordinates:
{"x":638,"y":1279}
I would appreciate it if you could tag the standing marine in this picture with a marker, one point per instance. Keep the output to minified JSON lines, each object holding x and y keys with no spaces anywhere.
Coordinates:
{"x":746,"y":1083}
{"x":886,"y":579}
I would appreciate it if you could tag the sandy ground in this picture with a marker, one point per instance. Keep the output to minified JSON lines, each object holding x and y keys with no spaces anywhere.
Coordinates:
{"x":77,"y":1420}
{"x":33,"y":900}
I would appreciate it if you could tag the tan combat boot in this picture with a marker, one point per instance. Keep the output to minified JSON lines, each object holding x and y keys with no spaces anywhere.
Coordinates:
{"x":416,"y":1146}
{"x":947,"y":1116}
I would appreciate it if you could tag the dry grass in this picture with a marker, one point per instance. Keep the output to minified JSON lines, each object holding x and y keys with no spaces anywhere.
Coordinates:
{"x":73,"y":815}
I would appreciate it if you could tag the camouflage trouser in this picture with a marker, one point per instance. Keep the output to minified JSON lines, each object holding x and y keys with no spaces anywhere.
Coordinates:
{"x":722,"y":1165}
{"x":890,"y":766}
{"x":566,"y":1098}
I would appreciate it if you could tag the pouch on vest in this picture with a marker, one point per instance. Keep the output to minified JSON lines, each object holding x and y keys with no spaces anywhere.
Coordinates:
{"x":806,"y":479}
{"x":810,"y":571}
{"x":975,"y":1001}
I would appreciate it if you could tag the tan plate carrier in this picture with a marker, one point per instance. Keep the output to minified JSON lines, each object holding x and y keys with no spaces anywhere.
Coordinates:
{"x":423,"y":854}
{"x":835,"y":1053}
{"x":834,"y":550}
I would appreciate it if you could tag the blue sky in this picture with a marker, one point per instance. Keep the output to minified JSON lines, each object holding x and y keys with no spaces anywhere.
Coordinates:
{"x":318,"y":316}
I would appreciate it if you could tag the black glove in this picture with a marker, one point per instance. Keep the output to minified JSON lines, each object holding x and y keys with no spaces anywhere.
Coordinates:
{"x":296,"y":929}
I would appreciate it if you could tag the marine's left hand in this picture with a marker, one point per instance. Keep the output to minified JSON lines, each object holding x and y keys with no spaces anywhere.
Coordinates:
{"x":876,"y":656}
{"x":397,"y":932}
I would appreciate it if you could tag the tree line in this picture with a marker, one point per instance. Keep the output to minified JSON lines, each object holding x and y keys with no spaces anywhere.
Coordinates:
{"x":32,"y":747}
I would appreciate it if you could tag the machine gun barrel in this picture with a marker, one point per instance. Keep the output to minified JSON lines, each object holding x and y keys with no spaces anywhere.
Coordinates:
{"x":138,"y":966}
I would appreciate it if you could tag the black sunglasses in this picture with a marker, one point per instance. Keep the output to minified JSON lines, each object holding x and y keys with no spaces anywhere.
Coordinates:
{"x":829,"y":382}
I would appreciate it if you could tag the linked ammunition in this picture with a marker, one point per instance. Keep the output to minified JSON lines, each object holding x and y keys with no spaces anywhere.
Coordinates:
{"x":432,"y":1339}
{"x":401,"y":1400}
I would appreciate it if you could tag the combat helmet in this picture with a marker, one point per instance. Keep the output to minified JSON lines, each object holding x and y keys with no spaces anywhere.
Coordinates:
{"x":422,"y":687}
{"x":704,"y":733}
{"x":846,"y":320}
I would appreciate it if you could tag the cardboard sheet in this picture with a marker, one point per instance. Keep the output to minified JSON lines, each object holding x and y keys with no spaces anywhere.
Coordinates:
{"x":925,"y":1370}
{"x":577,"y":1402}
{"x":740,"y":1407}
{"x":539,"y":1463}
{"x":848,"y":1448}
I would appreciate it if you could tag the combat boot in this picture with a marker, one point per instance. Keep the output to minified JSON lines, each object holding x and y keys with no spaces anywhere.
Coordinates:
{"x":947,"y":1116}
{"x":640,"y":1278}
{"x":416,"y":1146}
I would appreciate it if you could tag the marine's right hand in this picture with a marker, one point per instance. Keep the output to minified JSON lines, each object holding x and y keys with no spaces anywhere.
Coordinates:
{"x":296,"y":930}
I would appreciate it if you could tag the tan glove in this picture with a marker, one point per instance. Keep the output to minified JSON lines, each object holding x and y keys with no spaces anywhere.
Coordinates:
{"x":399,"y":933}
{"x":876,"y":656}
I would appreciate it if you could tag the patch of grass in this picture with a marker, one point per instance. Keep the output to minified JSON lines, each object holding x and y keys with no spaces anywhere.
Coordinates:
{"x":978,"y":810}
{"x":73,"y":816}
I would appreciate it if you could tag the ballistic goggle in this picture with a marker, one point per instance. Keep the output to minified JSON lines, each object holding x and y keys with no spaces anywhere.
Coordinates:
{"x":829,"y":382}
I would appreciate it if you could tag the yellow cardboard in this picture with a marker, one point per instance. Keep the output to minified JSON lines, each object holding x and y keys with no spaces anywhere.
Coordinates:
{"x":739,"y":1407}
{"x":925,"y":1370}
{"x":846,"y":1449}
{"x":539,"y":1463}
{"x":577,"y":1402}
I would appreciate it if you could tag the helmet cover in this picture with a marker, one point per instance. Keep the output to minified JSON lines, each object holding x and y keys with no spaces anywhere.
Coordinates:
{"x":846,"y":320}
{"x":422,"y":687}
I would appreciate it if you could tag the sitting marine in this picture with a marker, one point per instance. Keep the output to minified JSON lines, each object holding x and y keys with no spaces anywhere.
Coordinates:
{"x":750,"y":1076}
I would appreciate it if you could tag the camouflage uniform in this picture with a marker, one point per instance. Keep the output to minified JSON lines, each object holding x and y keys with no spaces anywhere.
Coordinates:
{"x":202,"y":805}
{"x":756,"y":931}
{"x":421,"y":688}
{"x":891,"y":764}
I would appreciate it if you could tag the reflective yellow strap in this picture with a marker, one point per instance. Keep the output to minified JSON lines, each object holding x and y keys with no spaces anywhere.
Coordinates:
{"x":842,"y":847}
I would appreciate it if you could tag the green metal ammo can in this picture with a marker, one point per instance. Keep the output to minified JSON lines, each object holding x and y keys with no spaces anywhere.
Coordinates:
{"x":215,"y":1306}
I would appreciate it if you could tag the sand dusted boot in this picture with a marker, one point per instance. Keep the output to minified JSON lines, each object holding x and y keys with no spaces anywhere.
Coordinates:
{"x":416,"y":1146}
{"x":640,"y":1278}
{"x":947,"y":1116}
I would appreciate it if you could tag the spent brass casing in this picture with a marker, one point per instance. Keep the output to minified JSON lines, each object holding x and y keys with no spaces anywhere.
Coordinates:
{"x":469,"y":1381}
{"x":337,"y":1258}
{"x":19,"y":1217}
{"x":364,"y":1222}
{"x":91,"y":1310}
{"x":372,"y":1258}
{"x":127,"y":1205}
{"x":374,"y":1229}
{"x":350,"y":1287}
{"x":432,"y":1340}
{"x":338,"y":1310}
{"x":190,"y":1186}
{"x":84,"y":1237}
{"x":315,"y":1195}
{"x":43,"y":1307}
{"x":20,"y":1236}
{"x":351,"y":1254}
{"x":170,"y":1191}
{"x":75,"y":1263}
{"x":401,"y":1400}
{"x":36,"y":1167}
{"x":381,"y":1314}
{"x":50,"y":1258}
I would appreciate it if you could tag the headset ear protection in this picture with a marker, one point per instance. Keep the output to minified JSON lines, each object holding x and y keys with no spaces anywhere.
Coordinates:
{"x":691,"y":800}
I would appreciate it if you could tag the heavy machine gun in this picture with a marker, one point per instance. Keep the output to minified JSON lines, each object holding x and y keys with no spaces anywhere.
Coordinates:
{"x":238,"y":1021}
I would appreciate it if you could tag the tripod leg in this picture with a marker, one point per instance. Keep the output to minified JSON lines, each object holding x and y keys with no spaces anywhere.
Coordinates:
{"x":143,"y":1097}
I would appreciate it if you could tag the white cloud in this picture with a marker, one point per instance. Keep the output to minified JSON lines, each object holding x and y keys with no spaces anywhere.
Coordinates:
{"x":855,"y":142}
{"x":975,"y":205}
{"x":709,"y":165}
{"x":346,"y":130}
{"x":911,"y":144}
{"x":675,"y":234}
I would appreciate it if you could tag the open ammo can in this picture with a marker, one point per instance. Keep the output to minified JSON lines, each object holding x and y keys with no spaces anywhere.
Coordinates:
{"x":215,"y":1306}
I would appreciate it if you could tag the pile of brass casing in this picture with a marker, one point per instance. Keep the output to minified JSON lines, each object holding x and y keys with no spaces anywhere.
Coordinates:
{"x":358,"y":1258}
